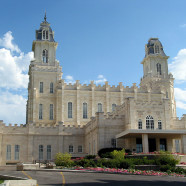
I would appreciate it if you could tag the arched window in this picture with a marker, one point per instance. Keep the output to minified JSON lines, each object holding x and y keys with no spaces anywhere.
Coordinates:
{"x":84,"y":110}
{"x":51,"y":88}
{"x":113,"y":107}
{"x":159,"y":124}
{"x":158,"y":68}
{"x":45,"y":35}
{"x":139,"y":124}
{"x":157,"y":49}
{"x":69,"y":109}
{"x":99,"y":107}
{"x":45,"y":56}
{"x":149,"y":122}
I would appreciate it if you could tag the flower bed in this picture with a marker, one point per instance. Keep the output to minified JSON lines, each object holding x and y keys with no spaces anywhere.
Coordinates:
{"x":130,"y":171}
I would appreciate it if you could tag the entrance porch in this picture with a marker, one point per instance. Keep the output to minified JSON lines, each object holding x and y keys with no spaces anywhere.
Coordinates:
{"x":153,"y":140}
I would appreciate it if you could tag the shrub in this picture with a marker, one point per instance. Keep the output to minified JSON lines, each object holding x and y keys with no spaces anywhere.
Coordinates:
{"x":106,"y":151}
{"x":166,"y":158}
{"x":85,"y":163}
{"x":118,"y":155}
{"x":63,"y":159}
{"x":90,"y":157}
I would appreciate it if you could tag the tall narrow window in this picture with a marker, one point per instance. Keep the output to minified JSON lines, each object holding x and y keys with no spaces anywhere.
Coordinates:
{"x":157,"y":49}
{"x":158,"y":68}
{"x":8,"y":152}
{"x":80,"y":148}
{"x":84,"y":110}
{"x":139,"y":146}
{"x":40,"y":111}
{"x":71,"y":148}
{"x":49,"y":150}
{"x":167,"y":95}
{"x":149,"y":122}
{"x":17,"y":147}
{"x":45,"y":56}
{"x":113,"y":107}
{"x":41,"y":87}
{"x":51,"y":112}
{"x":113,"y":142}
{"x":177,"y":145}
{"x":51,"y":88}
{"x":45,"y":35}
{"x":139,"y":124}
{"x":40,"y":152}
{"x":159,"y":124}
{"x":69,"y":109}
{"x":99,"y":107}
{"x":163,"y":145}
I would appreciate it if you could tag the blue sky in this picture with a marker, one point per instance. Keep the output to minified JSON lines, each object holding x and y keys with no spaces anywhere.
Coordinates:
{"x":98,"y":40}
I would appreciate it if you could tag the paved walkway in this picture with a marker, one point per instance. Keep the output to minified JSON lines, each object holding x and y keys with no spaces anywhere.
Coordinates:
{"x":53,"y":178}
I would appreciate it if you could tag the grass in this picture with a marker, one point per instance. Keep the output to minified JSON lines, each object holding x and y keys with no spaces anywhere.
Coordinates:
{"x":1,"y":181}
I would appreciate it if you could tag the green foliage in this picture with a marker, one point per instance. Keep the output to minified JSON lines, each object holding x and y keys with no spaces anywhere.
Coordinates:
{"x":118,"y":155}
{"x":105,"y":152}
{"x":166,"y":158}
{"x":90,"y":157}
{"x":63,"y":159}
{"x":86,"y":163}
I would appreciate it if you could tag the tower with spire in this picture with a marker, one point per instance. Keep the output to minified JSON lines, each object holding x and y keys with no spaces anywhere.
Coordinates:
{"x":44,"y":73}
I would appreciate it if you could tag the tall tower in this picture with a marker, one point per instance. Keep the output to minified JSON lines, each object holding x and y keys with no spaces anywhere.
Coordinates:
{"x":44,"y":74}
{"x":156,"y":78}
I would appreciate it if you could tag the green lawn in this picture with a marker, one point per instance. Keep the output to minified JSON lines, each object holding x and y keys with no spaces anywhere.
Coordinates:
{"x":1,"y":181}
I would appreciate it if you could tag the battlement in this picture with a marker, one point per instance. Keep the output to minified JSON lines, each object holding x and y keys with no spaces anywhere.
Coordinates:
{"x":92,"y":86}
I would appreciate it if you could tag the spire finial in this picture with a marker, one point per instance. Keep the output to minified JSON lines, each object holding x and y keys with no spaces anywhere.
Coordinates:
{"x":45,"y":16}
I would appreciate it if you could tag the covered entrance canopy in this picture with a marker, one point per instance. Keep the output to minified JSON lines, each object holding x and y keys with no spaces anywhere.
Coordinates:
{"x":154,"y":140}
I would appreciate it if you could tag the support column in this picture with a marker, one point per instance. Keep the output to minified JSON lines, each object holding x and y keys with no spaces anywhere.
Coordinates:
{"x":145,"y":143}
{"x":183,"y":144}
{"x":170,"y":144}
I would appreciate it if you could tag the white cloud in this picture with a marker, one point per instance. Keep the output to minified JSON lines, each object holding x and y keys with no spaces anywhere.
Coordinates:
{"x":13,"y":77}
{"x":178,"y":66}
{"x":13,"y":68}
{"x":69,"y":79}
{"x":6,"y":42}
{"x":100,"y":79}
{"x":180,"y":96}
{"x":13,"y":108}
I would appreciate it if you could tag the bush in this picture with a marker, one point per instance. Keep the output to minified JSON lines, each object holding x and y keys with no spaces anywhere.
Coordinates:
{"x":118,"y":155}
{"x":63,"y":159}
{"x":166,"y":158}
{"x":85,"y":163}
{"x":106,"y":152}
{"x":90,"y":157}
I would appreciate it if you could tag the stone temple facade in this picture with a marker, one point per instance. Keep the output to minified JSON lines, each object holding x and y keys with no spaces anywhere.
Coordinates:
{"x":81,"y":119}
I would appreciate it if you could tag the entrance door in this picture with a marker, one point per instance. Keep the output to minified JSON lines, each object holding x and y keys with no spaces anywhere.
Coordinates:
{"x":152,"y":144}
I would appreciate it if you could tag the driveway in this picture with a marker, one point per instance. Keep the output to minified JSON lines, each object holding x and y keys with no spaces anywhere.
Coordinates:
{"x":51,"y":178}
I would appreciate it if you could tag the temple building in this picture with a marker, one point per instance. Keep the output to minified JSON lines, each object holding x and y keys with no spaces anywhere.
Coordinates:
{"x":82,"y":119}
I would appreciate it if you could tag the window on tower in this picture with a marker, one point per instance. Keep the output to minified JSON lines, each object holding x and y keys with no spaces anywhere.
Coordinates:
{"x":45,"y":35}
{"x":157,"y":49}
{"x":158,"y":68}
{"x":45,"y":56}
